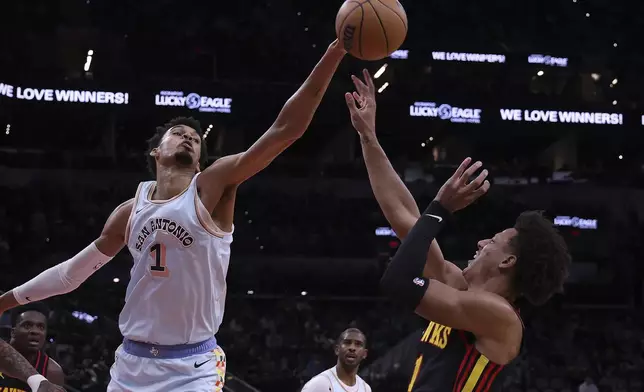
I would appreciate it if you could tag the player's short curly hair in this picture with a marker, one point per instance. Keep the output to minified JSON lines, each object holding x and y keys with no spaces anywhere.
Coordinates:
{"x":542,"y":258}
{"x":347,"y":331}
{"x":39,"y":307}
{"x":155,"y":140}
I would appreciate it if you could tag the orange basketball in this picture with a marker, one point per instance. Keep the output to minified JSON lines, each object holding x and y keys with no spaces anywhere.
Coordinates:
{"x":371,"y":29}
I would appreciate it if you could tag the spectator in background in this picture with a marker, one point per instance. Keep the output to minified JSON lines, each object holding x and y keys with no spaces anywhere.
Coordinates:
{"x":588,"y":386}
{"x":28,"y":338}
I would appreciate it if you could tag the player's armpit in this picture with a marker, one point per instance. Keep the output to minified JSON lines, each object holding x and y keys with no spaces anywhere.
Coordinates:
{"x":486,"y":315}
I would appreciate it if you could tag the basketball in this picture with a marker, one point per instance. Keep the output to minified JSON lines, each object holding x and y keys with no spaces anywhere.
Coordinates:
{"x":371,"y":29}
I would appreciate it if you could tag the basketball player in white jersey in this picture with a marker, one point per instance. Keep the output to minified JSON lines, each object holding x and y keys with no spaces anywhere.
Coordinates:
{"x":179,"y":229}
{"x":351,"y":350}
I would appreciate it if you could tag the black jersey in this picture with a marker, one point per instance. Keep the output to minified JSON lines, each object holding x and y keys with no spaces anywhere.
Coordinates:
{"x":10,"y":384}
{"x":448,"y":361}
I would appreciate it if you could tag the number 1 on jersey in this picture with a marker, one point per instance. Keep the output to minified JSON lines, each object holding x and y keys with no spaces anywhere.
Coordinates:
{"x":419,"y":363}
{"x":159,"y":269}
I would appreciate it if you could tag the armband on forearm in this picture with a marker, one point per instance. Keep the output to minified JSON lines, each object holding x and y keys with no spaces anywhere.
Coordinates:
{"x":62,"y":278}
{"x":403,"y":280}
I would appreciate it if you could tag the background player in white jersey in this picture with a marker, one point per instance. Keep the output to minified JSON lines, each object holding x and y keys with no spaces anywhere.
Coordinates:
{"x":351,"y":350}
{"x":179,"y":230}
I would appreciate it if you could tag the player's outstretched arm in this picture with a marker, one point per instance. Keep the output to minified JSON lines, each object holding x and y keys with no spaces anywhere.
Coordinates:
{"x":292,"y":121}
{"x":395,"y":200}
{"x":68,"y":275}
{"x":15,"y":365}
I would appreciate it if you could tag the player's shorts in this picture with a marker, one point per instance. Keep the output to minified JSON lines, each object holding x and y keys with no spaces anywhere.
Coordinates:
{"x":140,"y":367}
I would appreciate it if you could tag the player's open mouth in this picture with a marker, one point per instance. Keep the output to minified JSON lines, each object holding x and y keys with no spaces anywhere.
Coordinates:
{"x":187,"y":145}
{"x":351,"y":356}
{"x":34,"y":342}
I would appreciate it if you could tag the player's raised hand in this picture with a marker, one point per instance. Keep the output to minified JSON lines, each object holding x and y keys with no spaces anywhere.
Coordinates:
{"x":458,"y":192}
{"x":336,"y":46}
{"x":362,"y":105}
{"x":47,"y":386}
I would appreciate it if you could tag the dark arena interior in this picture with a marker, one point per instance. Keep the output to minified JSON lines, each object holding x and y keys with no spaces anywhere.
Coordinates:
{"x":548,"y":94}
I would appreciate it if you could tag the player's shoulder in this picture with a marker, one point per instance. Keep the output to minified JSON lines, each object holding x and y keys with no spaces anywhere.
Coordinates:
{"x":55,"y":372}
{"x":118,"y":220}
{"x":319,"y":383}
{"x":367,"y":387}
{"x":126,"y":206}
{"x":123,"y":211}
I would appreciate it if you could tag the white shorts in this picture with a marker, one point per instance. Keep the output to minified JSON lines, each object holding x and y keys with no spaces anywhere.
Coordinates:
{"x":196,"y":373}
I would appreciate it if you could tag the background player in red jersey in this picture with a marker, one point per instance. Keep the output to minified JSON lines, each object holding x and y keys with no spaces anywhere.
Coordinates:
{"x":28,"y":338}
{"x":476,"y":305}
{"x":14,"y":364}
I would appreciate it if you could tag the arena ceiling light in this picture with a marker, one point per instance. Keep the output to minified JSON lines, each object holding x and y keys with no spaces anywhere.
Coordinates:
{"x":383,"y":87}
{"x":88,"y":60}
{"x":380,"y":71}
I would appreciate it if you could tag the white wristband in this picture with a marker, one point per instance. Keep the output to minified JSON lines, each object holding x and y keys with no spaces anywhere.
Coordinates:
{"x":34,"y":381}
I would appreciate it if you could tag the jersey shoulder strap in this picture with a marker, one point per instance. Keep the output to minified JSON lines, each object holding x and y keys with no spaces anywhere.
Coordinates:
{"x":42,"y":363}
{"x":139,"y":197}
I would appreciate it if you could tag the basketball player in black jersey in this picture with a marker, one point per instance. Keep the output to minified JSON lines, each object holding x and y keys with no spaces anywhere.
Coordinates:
{"x":474,"y":330}
{"x":28,"y":338}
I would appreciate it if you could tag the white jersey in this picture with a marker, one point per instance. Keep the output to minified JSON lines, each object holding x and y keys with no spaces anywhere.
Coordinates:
{"x":177,"y":288}
{"x":328,"y":381}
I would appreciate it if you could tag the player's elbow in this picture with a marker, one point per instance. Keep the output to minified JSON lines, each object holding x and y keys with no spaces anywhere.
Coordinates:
{"x":289,"y":132}
{"x":393,"y":287}
{"x":71,"y":286}
{"x":387,"y":284}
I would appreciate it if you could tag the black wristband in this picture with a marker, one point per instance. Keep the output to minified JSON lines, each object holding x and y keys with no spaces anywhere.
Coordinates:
{"x":436,"y":209}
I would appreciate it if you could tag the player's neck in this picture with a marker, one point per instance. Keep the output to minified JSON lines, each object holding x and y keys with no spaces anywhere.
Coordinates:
{"x":498,"y":285}
{"x":171,"y":181}
{"x":347,"y":376}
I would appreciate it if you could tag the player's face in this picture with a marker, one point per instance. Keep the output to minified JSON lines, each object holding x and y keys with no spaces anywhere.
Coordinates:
{"x":351,"y":350}
{"x":493,"y":254}
{"x":180,"y":144}
{"x":29,"y":333}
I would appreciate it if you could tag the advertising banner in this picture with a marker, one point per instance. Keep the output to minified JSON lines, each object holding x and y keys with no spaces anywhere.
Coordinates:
{"x":194,"y":101}
{"x":39,"y":94}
